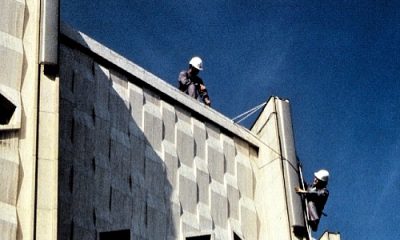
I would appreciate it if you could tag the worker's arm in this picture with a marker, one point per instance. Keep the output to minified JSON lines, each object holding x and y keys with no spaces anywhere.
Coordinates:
{"x":204,"y":94}
{"x":184,"y":79}
{"x":299,"y":190}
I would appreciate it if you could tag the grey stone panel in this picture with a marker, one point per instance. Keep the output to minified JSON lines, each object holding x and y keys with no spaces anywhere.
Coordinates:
{"x":156,"y":218}
{"x":150,"y":97}
{"x":102,"y":91}
{"x":137,"y":155}
{"x":120,"y":166}
{"x":245,"y":180}
{"x":66,"y":131}
{"x":9,"y":180}
{"x":219,"y":209}
{"x":12,"y":14}
{"x":8,"y":230}
{"x":119,"y":116}
{"x":173,"y":222}
{"x":153,"y":127}
{"x":84,"y":87}
{"x":215,"y":159}
{"x":233,"y":202}
{"x":169,"y":121}
{"x":155,"y":176}
{"x":203,"y":181}
{"x":139,"y":211}
{"x":121,"y":208}
{"x":66,"y":73}
{"x":250,"y":223}
{"x":136,"y":101}
{"x":171,"y":163}
{"x":83,"y":198}
{"x":200,"y":137}
{"x":229,"y":156}
{"x":11,"y":72}
{"x":185,"y":147}
{"x":188,"y":194}
{"x":82,"y":232}
{"x":102,"y":137}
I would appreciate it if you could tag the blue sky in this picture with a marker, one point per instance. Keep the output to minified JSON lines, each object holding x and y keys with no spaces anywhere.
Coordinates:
{"x":338,"y":62}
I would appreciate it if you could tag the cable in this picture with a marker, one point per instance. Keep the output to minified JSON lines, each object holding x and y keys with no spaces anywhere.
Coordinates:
{"x":248,"y":113}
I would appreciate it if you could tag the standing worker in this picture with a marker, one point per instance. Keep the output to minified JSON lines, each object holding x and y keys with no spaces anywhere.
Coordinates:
{"x":316,"y":195}
{"x":192,"y":84}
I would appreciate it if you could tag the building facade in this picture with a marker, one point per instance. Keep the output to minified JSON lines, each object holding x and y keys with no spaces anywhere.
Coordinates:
{"x":95,"y":147}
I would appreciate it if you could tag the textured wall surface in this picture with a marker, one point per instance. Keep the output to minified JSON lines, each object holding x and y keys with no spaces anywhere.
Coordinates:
{"x":131,"y":158}
{"x":11,"y":65}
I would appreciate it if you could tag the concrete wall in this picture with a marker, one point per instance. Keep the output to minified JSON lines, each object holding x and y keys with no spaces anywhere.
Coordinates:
{"x":19,"y":84}
{"x":137,"y":155}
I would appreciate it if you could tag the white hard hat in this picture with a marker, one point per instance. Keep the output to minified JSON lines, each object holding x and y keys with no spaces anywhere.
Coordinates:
{"x":322,"y":175}
{"x":197,"y":63}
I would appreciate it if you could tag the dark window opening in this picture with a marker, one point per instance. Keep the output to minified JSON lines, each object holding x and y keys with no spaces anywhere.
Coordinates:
{"x":7,"y":109}
{"x":236,"y":237}
{"x":116,"y":235}
{"x":202,"y":237}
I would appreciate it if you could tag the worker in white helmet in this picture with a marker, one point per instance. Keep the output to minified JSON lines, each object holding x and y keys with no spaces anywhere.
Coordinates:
{"x":316,"y":195}
{"x":191,"y":83}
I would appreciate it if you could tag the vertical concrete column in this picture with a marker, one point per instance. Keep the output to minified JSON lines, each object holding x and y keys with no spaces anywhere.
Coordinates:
{"x":48,"y":128}
{"x":47,"y":170}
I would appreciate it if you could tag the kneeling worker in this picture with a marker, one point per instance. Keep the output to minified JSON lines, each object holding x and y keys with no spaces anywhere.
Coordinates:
{"x":316,"y":195}
{"x":192,"y":84}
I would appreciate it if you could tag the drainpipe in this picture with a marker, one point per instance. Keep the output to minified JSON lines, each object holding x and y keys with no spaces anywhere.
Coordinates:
{"x":289,"y":166}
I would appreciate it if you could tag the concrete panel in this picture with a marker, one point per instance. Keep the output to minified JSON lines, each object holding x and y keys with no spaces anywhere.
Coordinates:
{"x":187,"y":189}
{"x":102,"y":91}
{"x":156,"y":217}
{"x":12,"y":12}
{"x":8,"y":180}
{"x":137,"y":150}
{"x":171,"y":168}
{"x":228,"y":146}
{"x":153,"y":125}
{"x":8,"y":221}
{"x":139,"y":210}
{"x":205,"y":219}
{"x":200,"y":136}
{"x":11,"y":65}
{"x":248,"y":217}
{"x":216,"y":166}
{"x":136,"y":101}
{"x":154,"y":174}
{"x":233,"y":201}
{"x":121,"y":208}
{"x":203,"y":180}
{"x":169,"y":121}
{"x":185,"y":145}
{"x":219,"y":205}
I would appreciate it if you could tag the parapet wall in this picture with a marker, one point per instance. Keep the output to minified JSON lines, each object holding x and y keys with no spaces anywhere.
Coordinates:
{"x":137,"y":154}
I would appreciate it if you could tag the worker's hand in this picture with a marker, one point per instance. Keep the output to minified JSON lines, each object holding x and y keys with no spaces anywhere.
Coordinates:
{"x":299,"y":190}
{"x":207,"y":101}
{"x":202,"y":87}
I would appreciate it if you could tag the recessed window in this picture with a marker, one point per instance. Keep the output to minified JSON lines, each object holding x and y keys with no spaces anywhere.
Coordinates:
{"x":116,"y":235}
{"x":7,"y":109}
{"x":202,"y":237}
{"x":236,"y":237}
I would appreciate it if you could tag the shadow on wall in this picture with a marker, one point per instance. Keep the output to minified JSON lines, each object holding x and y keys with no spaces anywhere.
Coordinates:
{"x":111,"y":178}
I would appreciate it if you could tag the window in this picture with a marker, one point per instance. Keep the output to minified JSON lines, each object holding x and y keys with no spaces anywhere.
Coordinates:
{"x":236,"y":237}
{"x":7,"y":109}
{"x":202,"y":237}
{"x":116,"y":235}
